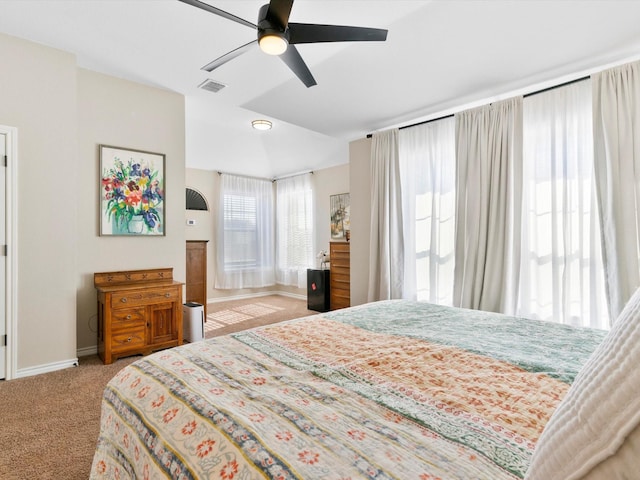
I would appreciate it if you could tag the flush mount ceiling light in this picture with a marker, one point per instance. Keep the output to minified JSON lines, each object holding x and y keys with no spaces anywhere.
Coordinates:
{"x":261,"y":124}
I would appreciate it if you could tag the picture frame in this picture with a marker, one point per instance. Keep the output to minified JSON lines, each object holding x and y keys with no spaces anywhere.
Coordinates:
{"x":340,"y":212}
{"x":132,"y":192}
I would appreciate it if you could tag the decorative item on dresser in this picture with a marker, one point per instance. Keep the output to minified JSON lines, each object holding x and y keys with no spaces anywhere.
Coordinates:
{"x":139,"y":311}
{"x":340,"y":277}
{"x":196,"y":285}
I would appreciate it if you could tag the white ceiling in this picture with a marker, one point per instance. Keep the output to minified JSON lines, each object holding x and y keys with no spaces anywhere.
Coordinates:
{"x":439,"y":56}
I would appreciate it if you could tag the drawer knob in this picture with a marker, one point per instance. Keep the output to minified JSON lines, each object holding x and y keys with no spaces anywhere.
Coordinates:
{"x":129,"y":339}
{"x":123,"y":299}
{"x":167,"y":294}
{"x":128,"y":317}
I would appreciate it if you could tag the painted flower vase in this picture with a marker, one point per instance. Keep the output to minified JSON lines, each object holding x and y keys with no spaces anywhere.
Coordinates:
{"x":136,"y":224}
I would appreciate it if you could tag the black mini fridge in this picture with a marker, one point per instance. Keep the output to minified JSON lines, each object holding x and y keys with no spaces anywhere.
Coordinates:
{"x":318,"y":290}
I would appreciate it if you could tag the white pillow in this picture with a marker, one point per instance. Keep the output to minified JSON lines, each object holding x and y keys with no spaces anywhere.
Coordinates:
{"x":586,"y":436}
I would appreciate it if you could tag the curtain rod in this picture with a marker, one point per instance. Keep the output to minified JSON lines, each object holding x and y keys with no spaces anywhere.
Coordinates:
{"x":245,"y":176}
{"x":264,"y":178}
{"x":275,"y":179}
{"x":369,"y":135}
{"x":581,"y":79}
{"x":564,"y":84}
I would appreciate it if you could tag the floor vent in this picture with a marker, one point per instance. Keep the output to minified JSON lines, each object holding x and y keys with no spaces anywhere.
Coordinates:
{"x":211,"y":85}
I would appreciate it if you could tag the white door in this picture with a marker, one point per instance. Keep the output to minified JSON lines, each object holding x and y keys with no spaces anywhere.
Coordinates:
{"x":3,"y":255}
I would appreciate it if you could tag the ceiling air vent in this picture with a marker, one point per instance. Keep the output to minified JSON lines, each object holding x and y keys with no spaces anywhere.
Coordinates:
{"x":195,"y":200}
{"x":211,"y":85}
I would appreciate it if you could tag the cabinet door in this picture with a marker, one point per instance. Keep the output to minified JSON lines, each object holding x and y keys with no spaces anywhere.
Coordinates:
{"x":162,"y":323}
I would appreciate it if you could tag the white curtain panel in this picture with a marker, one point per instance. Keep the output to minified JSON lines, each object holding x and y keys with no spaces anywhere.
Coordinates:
{"x":294,"y":214}
{"x":488,"y":206}
{"x":616,"y":129}
{"x":427,"y":171}
{"x":245,"y":234}
{"x":561,"y":277}
{"x":386,"y":263}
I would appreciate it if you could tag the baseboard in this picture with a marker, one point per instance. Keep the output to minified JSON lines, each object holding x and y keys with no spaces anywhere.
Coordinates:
{"x":49,"y":367}
{"x":255,"y":295}
{"x":292,"y":295}
{"x":87,"y":351}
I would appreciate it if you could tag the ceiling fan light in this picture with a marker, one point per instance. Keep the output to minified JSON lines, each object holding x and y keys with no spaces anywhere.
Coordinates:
{"x":273,"y":44}
{"x":261,"y":124}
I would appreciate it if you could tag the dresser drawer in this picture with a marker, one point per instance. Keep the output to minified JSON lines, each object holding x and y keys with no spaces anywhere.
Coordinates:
{"x":340,"y":275}
{"x":128,"y":318}
{"x":339,"y":259}
{"x":340,"y":247}
{"x":125,"y":340}
{"x":130,"y":298}
{"x":340,"y":301}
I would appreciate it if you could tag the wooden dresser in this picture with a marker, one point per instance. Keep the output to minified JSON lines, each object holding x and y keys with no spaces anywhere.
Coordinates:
{"x":340,"y":276}
{"x":139,"y":311}
{"x":196,"y":285}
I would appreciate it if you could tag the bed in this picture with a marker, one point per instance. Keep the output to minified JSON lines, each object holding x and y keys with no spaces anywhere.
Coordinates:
{"x":391,"y":389}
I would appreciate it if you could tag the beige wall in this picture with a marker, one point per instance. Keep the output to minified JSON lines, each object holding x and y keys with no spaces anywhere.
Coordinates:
{"x":360,"y":185}
{"x":38,"y":97}
{"x":62,"y":114}
{"x":121,"y":113}
{"x":326,"y":182}
{"x":205,"y":182}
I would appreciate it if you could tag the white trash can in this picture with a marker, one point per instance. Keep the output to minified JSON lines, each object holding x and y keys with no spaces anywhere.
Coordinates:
{"x":192,"y":322}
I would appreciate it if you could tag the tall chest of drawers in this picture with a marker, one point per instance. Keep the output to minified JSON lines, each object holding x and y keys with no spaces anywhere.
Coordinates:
{"x":340,"y":275}
{"x":139,"y":311}
{"x":196,"y":285}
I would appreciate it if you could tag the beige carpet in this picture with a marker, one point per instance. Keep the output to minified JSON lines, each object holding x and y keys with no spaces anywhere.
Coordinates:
{"x":229,"y":317}
{"x":50,"y":422}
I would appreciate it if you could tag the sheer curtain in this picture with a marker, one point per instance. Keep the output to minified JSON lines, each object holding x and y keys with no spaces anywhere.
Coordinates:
{"x":616,"y":120}
{"x":245,"y":235}
{"x":386,"y":262}
{"x":427,"y":171}
{"x":488,"y":206}
{"x":294,"y":251}
{"x":561,"y":275}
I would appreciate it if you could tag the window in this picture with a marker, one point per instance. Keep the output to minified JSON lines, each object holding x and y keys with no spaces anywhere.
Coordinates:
{"x":294,"y":252}
{"x":561,"y":270}
{"x":245,"y":234}
{"x":427,"y":170}
{"x":561,"y":276}
{"x":240,"y":232}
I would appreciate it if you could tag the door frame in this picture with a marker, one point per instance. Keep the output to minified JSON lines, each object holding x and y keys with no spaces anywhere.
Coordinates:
{"x":11,"y":274}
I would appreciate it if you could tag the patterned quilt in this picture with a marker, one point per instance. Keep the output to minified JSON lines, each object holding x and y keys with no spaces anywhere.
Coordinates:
{"x":389,"y":390}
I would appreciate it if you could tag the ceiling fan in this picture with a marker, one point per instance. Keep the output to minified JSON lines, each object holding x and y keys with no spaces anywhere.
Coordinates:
{"x":276,"y":36}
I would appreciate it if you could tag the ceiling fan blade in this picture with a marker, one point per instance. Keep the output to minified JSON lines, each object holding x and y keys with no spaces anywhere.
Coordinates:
{"x":229,"y":56}
{"x":220,"y":13}
{"x":280,"y":10}
{"x":295,"y":62}
{"x":313,"y":33}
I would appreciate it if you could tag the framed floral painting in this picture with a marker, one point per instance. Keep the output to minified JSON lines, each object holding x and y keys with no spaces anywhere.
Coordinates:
{"x":132,"y":193}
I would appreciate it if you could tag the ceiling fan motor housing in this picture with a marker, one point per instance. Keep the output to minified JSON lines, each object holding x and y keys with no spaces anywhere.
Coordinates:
{"x":267,"y":26}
